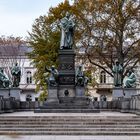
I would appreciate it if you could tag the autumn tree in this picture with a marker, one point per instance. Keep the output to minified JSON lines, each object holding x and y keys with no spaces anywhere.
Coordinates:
{"x":109,"y":31}
{"x":45,"y":41}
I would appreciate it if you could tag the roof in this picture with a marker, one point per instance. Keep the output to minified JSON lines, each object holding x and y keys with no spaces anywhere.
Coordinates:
{"x":8,"y":50}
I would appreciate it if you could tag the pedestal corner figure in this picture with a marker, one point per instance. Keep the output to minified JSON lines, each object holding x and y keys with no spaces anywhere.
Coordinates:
{"x":4,"y":80}
{"x":16,"y":75}
{"x":53,"y":78}
{"x":117,"y":70}
{"x":130,"y":81}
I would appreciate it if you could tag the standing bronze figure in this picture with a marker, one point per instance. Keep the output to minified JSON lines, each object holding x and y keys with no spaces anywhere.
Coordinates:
{"x":16,"y":75}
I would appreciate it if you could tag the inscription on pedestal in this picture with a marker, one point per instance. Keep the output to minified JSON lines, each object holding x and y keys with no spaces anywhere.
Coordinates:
{"x":66,"y":80}
{"x":66,"y":66}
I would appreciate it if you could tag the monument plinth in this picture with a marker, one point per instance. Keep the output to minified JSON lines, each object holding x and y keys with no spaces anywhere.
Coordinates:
{"x":15,"y":92}
{"x":66,"y":68}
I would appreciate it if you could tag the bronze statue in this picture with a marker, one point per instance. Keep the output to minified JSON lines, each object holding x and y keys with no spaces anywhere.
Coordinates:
{"x":130,"y":81}
{"x":117,"y":70}
{"x":67,"y":32}
{"x":16,"y":75}
{"x":4,"y":81}
{"x":81,"y":79}
{"x":53,"y":78}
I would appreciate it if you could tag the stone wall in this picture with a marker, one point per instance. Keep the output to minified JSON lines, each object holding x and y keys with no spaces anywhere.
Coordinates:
{"x":123,"y":104}
{"x":8,"y":105}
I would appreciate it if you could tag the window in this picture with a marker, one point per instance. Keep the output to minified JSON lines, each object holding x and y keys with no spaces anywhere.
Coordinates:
{"x":29,"y":77}
{"x":28,"y":98}
{"x":102,"y":77}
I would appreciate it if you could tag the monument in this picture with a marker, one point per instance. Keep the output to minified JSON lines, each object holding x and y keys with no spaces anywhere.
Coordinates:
{"x":4,"y":84}
{"x":118,"y":72}
{"x":16,"y":74}
{"x":66,"y":58}
{"x":128,"y":87}
{"x":16,"y":77}
{"x":130,"y":84}
{"x":10,"y":88}
{"x":4,"y":80}
{"x":52,"y":82}
{"x":66,"y":87}
{"x":130,"y":81}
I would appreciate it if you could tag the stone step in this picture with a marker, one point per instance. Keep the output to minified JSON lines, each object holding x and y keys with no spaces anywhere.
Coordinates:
{"x":67,"y":126}
{"x":70,"y":129}
{"x":66,"y":111}
{"x":72,"y":120}
{"x":68,"y":118}
{"x":68,"y":122}
{"x":70,"y":125}
{"x":64,"y":107}
{"x":71,"y":116}
{"x":70,"y":133}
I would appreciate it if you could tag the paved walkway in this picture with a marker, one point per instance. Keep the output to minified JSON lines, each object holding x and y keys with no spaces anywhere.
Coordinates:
{"x":31,"y":113}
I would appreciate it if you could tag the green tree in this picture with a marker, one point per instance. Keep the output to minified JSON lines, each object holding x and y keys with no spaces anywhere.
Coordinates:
{"x":44,"y":41}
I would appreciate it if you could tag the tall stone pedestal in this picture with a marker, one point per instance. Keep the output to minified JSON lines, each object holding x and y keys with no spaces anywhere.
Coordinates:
{"x":117,"y":92}
{"x":5,"y":92}
{"x":15,"y":92}
{"x":52,"y":96}
{"x":80,"y":91}
{"x":124,"y":92}
{"x":1,"y":104}
{"x":128,"y":92}
{"x":66,"y":73}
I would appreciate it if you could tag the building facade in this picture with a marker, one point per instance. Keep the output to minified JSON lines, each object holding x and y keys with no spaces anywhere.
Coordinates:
{"x":8,"y":57}
{"x":11,"y":55}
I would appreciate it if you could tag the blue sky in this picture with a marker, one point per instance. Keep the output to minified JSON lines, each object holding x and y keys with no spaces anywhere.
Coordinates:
{"x":17,"y":16}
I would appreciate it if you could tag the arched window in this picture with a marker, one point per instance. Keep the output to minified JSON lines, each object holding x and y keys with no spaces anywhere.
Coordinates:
{"x":29,"y":77}
{"x":102,"y":77}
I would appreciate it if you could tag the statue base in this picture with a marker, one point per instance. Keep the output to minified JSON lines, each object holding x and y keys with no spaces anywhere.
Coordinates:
{"x":80,"y":91}
{"x":128,"y":92}
{"x":52,"y":95}
{"x":66,"y":91}
{"x":15,"y":92}
{"x":5,"y":92}
{"x":124,"y":92}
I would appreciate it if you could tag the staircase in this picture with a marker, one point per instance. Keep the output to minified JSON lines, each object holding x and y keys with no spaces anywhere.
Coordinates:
{"x":70,"y":125}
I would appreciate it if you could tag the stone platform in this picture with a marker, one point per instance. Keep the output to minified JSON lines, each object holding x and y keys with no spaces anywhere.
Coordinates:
{"x":124,"y":92}
{"x":66,"y":111}
{"x":67,"y":105}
